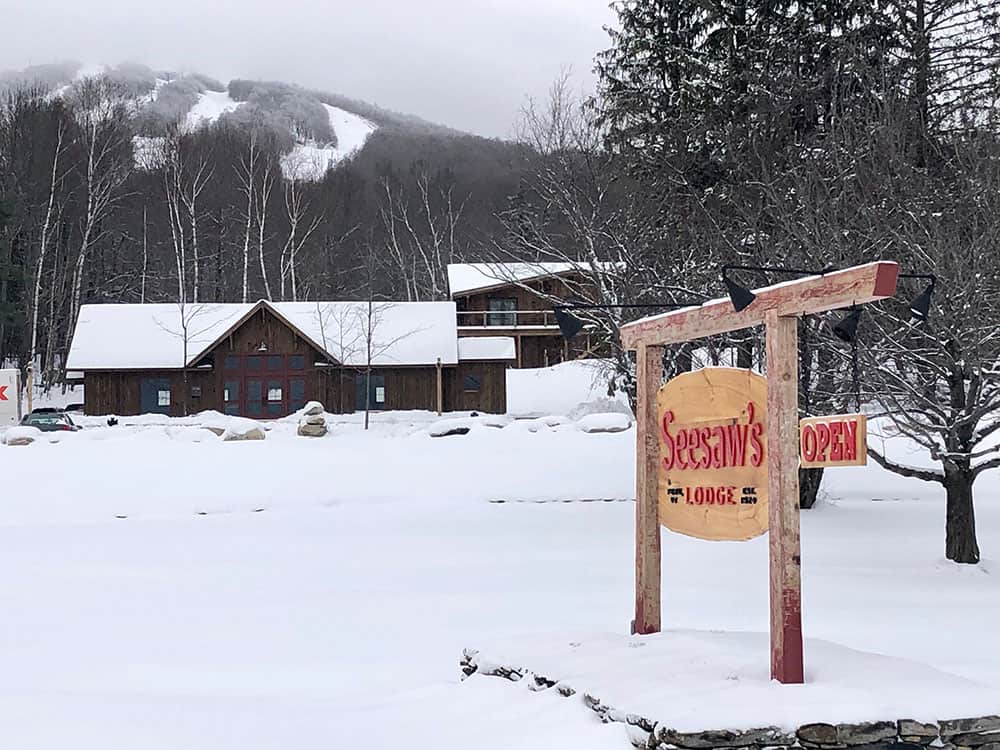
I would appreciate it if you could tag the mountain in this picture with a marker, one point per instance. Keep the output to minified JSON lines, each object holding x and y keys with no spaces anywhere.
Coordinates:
{"x":315,"y":130}
{"x":129,"y":184}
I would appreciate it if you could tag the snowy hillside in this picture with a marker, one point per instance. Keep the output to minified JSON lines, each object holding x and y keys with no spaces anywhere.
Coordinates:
{"x":311,"y":160}
{"x":316,"y":135}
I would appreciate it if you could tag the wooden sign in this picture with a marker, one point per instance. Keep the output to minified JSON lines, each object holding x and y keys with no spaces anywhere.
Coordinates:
{"x":837,"y":440}
{"x":713,"y":454}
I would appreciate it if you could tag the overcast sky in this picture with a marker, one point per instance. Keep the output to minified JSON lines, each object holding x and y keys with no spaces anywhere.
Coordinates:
{"x":464,"y":63}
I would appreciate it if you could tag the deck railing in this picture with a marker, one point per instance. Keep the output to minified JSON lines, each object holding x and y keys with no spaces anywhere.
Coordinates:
{"x":506,"y":319}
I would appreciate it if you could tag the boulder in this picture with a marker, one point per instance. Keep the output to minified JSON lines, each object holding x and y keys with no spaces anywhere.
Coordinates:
{"x":606,"y":422}
{"x":21,"y":435}
{"x":910,"y":730}
{"x":315,"y":419}
{"x":308,"y":429}
{"x":312,"y":409}
{"x":866,"y":733}
{"x":969,"y":726}
{"x":240,"y":429}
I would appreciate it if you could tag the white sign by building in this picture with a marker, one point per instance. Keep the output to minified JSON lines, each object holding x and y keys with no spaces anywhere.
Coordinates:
{"x":10,"y":398}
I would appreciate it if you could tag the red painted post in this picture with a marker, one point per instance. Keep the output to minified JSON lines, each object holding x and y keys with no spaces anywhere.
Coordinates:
{"x":783,"y":498}
{"x":649,"y":371}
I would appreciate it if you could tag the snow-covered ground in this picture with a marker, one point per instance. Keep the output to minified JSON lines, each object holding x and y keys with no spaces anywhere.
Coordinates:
{"x":211,"y":105}
{"x":311,"y":160}
{"x":165,"y":589}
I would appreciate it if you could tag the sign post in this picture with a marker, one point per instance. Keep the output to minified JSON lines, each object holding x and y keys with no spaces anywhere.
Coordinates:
{"x":10,"y":398}
{"x":777,"y":308}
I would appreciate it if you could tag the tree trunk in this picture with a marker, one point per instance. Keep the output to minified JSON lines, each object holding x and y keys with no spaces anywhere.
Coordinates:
{"x":960,"y":529}
{"x":809,"y":483}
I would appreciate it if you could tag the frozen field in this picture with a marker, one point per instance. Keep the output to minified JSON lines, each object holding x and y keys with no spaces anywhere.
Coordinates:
{"x":326,"y":595}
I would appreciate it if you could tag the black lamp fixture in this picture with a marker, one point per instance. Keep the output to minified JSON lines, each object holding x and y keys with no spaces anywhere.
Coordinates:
{"x":847,"y":329}
{"x":920,"y":307}
{"x":570,"y":325}
{"x":742,"y":298}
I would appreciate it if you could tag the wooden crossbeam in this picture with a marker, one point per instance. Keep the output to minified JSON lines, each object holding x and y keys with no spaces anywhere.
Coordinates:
{"x":814,"y":294}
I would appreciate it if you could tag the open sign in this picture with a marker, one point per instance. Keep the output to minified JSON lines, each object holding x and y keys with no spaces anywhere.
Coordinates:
{"x":838,"y":440}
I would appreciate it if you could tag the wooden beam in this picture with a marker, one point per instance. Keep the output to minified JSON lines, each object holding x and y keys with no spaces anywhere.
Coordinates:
{"x":649,"y":368}
{"x":783,"y":497}
{"x":440,"y":389}
{"x":814,"y":294}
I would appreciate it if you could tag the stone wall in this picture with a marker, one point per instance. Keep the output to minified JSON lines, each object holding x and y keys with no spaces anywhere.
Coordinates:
{"x":976,"y":733}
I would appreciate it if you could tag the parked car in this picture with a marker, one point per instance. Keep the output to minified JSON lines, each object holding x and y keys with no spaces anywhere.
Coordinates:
{"x":50,"y":420}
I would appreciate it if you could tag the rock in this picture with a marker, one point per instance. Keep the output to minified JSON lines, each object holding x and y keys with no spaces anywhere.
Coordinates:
{"x":968,"y":726}
{"x":21,"y":435}
{"x":307,"y":429}
{"x":818,"y":735}
{"x":604,"y":423}
{"x":975,"y":739}
{"x":446,"y":431}
{"x":217,"y":431}
{"x":866,"y":733}
{"x":565,"y":690}
{"x":725,"y":738}
{"x":312,"y":409}
{"x":315,"y":419}
{"x":915,"y":731}
{"x":889,"y":746}
{"x":240,"y":429}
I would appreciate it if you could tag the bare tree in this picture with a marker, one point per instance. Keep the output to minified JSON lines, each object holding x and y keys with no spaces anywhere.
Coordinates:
{"x":55,"y":178}
{"x":299,"y":232}
{"x":421,"y":241}
{"x":246,"y":175}
{"x":101,"y":110}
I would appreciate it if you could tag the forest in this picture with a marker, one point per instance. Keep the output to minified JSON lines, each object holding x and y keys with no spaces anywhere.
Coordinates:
{"x":811,"y":135}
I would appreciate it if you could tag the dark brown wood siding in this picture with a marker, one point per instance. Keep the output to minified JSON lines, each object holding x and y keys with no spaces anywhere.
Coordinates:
{"x":535,"y":348}
{"x":492,"y":394}
{"x":120,"y":392}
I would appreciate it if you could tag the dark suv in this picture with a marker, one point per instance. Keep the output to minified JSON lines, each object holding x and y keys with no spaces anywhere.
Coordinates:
{"x":50,"y":420}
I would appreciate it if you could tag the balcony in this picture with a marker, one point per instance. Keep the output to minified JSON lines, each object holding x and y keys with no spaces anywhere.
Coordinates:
{"x":509,"y":320}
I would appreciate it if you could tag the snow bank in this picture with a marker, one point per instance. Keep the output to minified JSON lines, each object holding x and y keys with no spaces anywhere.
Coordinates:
{"x":693,"y":681}
{"x":562,"y":389}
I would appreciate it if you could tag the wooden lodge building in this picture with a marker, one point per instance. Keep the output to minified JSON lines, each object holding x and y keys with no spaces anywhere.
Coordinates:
{"x":266,"y":360}
{"x":514,"y":300}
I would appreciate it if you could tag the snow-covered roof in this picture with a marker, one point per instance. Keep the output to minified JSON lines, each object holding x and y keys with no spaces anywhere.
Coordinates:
{"x":482,"y":348}
{"x":405,"y":333}
{"x":470,"y":277}
{"x":151,"y":336}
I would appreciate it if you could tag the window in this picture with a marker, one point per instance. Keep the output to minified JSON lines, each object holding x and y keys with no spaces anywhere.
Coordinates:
{"x":275,"y":362}
{"x":273,"y":392}
{"x":255,"y":362}
{"x":231,"y":363}
{"x":163,"y":398}
{"x":296,"y":362}
{"x":472,"y":383}
{"x":502,"y":312}
{"x":195,"y":391}
{"x":380,"y":394}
